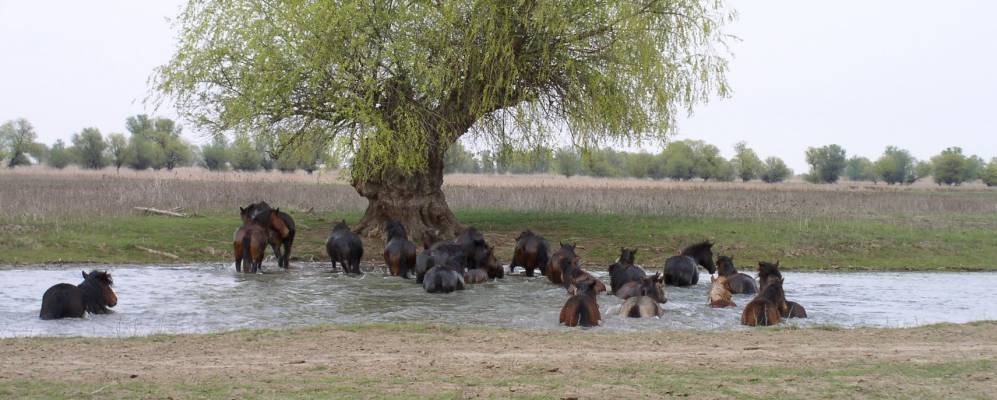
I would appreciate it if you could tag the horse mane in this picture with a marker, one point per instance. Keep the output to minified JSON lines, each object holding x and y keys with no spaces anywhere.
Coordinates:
{"x":767,"y":270}
{"x":340,"y":225}
{"x":697,"y":248}
{"x":773,"y":292}
{"x":395,"y":229}
{"x":102,"y":276}
{"x":525,"y":234}
{"x":729,"y":262}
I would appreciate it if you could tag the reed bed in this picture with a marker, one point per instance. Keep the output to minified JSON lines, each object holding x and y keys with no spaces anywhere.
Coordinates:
{"x":42,"y":192}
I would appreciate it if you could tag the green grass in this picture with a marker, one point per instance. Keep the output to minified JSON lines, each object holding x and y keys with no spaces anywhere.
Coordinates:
{"x":958,"y":242}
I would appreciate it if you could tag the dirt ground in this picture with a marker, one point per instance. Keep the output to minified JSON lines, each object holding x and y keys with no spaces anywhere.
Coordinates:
{"x":405,"y":361}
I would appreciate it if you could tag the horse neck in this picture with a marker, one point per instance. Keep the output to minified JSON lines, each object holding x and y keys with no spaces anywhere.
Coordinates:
{"x":93,"y":295}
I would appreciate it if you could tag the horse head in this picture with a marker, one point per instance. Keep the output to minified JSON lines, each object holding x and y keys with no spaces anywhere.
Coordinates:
{"x":100,"y":282}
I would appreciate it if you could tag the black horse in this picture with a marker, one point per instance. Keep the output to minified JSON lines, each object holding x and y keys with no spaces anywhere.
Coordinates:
{"x":624,"y":270}
{"x":280,"y":227}
{"x":681,"y":270}
{"x":532,"y":252}
{"x":444,"y":278}
{"x":344,"y":247}
{"x":399,"y":252}
{"x":439,"y":254}
{"x":469,"y":240}
{"x":93,"y":295}
{"x":739,"y":283}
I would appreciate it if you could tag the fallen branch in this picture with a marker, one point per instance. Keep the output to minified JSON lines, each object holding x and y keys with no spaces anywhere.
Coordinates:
{"x":162,"y":212}
{"x":158,"y":253}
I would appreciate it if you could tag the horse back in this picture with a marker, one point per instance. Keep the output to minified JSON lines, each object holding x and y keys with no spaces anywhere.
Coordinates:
{"x":742,"y":284}
{"x":62,"y":301}
{"x":760,"y":312}
{"x":580,"y":310}
{"x":681,"y":271}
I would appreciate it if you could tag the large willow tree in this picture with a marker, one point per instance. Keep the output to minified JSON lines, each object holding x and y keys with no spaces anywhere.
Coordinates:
{"x":398,"y":82}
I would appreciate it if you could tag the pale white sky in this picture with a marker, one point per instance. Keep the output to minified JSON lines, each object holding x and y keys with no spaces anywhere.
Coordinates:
{"x":859,"y":73}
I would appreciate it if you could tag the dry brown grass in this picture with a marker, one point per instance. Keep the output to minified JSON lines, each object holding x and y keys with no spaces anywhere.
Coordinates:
{"x":42,"y":192}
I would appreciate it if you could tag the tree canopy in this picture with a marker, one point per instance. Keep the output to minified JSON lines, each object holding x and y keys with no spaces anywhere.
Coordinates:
{"x":400,"y":81}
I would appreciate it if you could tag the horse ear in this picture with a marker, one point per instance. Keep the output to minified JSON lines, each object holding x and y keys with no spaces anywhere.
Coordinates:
{"x":84,"y":274}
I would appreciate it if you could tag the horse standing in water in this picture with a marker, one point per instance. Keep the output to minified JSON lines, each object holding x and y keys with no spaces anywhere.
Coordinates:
{"x":649,"y":286}
{"x":249,"y":243}
{"x":399,"y":252}
{"x":554,"y":273}
{"x":280,"y":229}
{"x":93,"y":295}
{"x":681,"y":270}
{"x":738,"y":283}
{"x":532,"y":252}
{"x":768,"y":272}
{"x":445,"y":278}
{"x":581,"y":308}
{"x":344,"y":247}
{"x":624,"y":270}
{"x":766,"y":308}
{"x":572,"y":274}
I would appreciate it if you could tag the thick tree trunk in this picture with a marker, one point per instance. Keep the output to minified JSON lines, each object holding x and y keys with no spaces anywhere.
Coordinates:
{"x":415,"y":200}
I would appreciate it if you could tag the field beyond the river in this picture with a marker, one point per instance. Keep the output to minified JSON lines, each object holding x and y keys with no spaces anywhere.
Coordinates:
{"x":50,"y":216}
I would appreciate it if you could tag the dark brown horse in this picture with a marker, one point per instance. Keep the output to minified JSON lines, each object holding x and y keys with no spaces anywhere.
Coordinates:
{"x":573,"y":274}
{"x":682,"y":270}
{"x":280,"y":229}
{"x":581,"y":308}
{"x":93,"y":295}
{"x":473,"y":276}
{"x":532,"y":252}
{"x":650,"y":286}
{"x":553,"y":272}
{"x":344,"y":247}
{"x":399,"y":252}
{"x":767,"y":272}
{"x":444,"y":278}
{"x":624,"y":270}
{"x":249,"y":243}
{"x":739,"y":283}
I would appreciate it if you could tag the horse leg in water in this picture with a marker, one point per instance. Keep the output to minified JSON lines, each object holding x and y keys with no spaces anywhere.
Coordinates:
{"x":276,"y":253}
{"x":287,"y":249}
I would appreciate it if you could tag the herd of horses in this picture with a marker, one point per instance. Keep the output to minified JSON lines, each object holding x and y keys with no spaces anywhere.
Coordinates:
{"x":449,"y":265}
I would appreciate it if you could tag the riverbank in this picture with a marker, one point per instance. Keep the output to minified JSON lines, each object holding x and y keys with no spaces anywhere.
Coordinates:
{"x":425,"y":361}
{"x":947,"y":242}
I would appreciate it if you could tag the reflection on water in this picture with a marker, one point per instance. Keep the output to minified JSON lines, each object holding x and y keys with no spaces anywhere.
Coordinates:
{"x":213,"y":297}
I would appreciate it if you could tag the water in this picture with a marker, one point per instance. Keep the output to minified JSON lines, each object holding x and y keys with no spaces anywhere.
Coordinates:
{"x":213,"y":297}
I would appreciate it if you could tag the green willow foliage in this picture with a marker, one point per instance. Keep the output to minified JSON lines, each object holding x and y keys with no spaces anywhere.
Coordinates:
{"x":396,"y":83}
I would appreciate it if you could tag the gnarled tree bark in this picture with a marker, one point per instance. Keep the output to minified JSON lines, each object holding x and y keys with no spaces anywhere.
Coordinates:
{"x":417,"y":200}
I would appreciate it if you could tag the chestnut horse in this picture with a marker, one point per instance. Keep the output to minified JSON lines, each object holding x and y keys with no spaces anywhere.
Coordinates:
{"x":532,"y":252}
{"x":280,"y":229}
{"x":93,"y":295}
{"x":399,"y":252}
{"x":581,"y":308}
{"x":768,"y":271}
{"x":720,"y":292}
{"x":249,"y":243}
{"x":553,"y":272}
{"x":765,"y":309}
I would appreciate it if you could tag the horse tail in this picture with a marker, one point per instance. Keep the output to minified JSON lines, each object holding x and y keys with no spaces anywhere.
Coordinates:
{"x":247,"y":253}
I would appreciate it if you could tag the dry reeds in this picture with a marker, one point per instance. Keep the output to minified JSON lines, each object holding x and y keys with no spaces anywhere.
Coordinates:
{"x":43,"y":192}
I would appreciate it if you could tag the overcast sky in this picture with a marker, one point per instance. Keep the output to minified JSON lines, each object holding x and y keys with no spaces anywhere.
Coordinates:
{"x":862,"y":74}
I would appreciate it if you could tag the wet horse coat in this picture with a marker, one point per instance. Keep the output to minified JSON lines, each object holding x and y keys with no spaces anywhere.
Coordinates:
{"x":93,"y":295}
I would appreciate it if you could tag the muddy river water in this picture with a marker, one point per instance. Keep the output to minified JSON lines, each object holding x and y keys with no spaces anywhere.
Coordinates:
{"x":213,"y":297}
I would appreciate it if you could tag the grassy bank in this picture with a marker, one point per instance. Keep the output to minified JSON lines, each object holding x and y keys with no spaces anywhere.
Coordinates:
{"x":420,"y":361}
{"x":930,"y":242}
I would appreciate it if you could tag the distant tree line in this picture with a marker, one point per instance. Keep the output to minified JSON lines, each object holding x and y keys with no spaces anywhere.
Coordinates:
{"x":679,"y":160}
{"x":156,"y":143}
{"x":153,"y":143}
